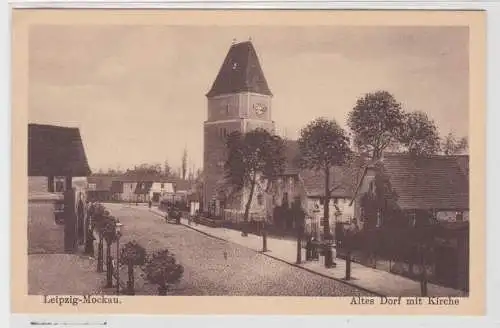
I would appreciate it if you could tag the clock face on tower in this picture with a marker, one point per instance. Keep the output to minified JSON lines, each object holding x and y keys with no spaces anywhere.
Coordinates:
{"x":260,"y":109}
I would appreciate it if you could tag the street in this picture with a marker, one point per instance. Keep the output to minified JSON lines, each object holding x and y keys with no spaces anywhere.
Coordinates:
{"x":219,"y":268}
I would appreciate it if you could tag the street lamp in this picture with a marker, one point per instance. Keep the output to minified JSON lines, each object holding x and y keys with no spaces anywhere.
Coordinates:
{"x":118,"y":227}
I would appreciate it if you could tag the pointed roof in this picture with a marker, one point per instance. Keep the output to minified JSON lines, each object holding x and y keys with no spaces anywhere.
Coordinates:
{"x":240,"y":72}
{"x":56,"y":151}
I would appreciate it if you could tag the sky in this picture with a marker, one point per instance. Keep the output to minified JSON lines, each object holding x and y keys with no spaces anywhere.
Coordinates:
{"x":137,"y":93}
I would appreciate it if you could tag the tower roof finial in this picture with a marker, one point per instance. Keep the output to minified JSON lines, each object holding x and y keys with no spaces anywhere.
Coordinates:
{"x":249,"y":38}
{"x":234,"y":41}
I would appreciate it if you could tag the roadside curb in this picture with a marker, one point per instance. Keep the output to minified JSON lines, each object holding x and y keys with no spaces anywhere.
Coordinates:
{"x":346,"y":282}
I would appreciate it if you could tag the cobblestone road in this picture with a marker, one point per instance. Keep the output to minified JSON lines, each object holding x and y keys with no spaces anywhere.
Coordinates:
{"x":208,"y":272}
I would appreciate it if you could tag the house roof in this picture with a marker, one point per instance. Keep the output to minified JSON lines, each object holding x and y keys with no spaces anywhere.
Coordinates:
{"x":463,"y":162}
{"x":182,"y":185}
{"x":343,"y":181}
{"x":56,"y":151}
{"x":117,"y":186}
{"x":436,"y":182}
{"x":101,"y":182}
{"x":292,"y":157}
{"x":143,"y":187}
{"x":240,"y":72}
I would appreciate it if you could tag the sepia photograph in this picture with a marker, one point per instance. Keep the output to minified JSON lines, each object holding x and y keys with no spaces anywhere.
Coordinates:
{"x":307,"y":160}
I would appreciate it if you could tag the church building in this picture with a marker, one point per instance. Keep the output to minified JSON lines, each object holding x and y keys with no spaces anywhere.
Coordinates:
{"x":239,"y":100}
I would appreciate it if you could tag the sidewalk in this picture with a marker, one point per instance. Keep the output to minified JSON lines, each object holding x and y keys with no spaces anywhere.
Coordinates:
{"x":63,"y":274}
{"x":372,"y":280}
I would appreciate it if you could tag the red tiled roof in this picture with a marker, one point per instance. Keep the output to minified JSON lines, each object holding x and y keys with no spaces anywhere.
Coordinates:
{"x":240,"y":72}
{"x":436,"y":182}
{"x":56,"y":151}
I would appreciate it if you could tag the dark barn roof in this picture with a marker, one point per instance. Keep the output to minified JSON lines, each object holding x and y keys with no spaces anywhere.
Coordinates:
{"x":56,"y":151}
{"x":101,"y":182}
{"x":437,"y":182}
{"x":343,"y":181}
{"x":240,"y":72}
{"x":292,"y":157}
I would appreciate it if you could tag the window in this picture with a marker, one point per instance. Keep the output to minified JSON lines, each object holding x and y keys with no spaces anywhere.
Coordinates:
{"x":371,"y":188}
{"x":379,"y":219}
{"x":59,"y":184}
{"x":413,"y":219}
{"x":162,"y":186}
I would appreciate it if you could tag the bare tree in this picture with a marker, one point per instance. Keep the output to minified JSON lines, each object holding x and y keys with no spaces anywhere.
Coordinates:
{"x":184,"y":164}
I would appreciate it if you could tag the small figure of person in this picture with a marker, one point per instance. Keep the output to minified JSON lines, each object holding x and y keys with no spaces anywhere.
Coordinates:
{"x":89,"y":227}
{"x":150,"y":203}
{"x":80,"y":211}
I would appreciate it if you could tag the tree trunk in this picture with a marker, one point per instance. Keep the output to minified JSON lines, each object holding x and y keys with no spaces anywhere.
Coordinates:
{"x":100,"y":255}
{"x":130,"y":282}
{"x":162,"y":290}
{"x":348,"y":265}
{"x":326,"y":208}
{"x":264,"y":239}
{"x":299,"y":247}
{"x":326,"y":224}
{"x":109,"y":266}
{"x":247,"y":206}
{"x":423,"y":275}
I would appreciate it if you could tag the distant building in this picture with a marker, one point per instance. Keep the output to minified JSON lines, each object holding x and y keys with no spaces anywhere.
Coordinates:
{"x":99,"y":188}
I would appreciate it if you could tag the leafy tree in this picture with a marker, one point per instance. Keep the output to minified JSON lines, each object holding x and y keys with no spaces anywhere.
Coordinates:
{"x":109,"y":234}
{"x":132,"y":254}
{"x":451,"y":146}
{"x":419,"y":135}
{"x":256,"y":153}
{"x":184,"y":164}
{"x":375,"y":121}
{"x":162,"y":269}
{"x":323,"y":144}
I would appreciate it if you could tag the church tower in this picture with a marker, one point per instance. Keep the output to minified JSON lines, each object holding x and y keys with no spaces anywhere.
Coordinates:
{"x":239,"y":100}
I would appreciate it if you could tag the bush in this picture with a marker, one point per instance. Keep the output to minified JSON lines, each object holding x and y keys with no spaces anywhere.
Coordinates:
{"x":132,"y":254}
{"x":162,"y":270}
